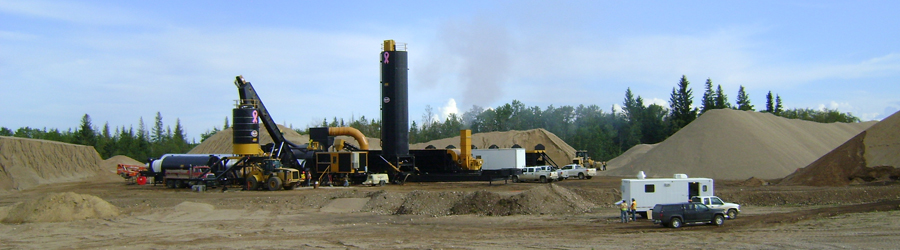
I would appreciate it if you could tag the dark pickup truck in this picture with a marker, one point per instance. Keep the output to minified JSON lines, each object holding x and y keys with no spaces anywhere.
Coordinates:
{"x":676,"y":215}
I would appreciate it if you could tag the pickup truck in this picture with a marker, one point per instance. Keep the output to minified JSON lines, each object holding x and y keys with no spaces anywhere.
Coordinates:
{"x":678,"y":214}
{"x":536,"y":174}
{"x":731,"y":210}
{"x":576,"y":170}
{"x":560,"y":174}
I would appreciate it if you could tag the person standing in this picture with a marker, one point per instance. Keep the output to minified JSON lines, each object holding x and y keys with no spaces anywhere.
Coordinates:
{"x":633,"y":209}
{"x":624,"y":207}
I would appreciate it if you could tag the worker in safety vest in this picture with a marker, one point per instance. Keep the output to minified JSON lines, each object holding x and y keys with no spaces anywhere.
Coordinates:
{"x":624,"y":207}
{"x":633,"y":209}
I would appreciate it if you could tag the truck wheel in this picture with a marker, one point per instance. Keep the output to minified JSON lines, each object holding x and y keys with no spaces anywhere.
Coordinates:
{"x":252,"y":183}
{"x":718,"y":220}
{"x":381,"y":183}
{"x":180,"y":184}
{"x":581,"y":176}
{"x":543,"y":179}
{"x":170,"y":183}
{"x":732,"y":214}
{"x":515,"y":179}
{"x":675,"y":223}
{"x":274,"y":183}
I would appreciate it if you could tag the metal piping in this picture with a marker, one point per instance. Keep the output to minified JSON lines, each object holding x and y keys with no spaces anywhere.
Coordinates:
{"x":360,"y":138}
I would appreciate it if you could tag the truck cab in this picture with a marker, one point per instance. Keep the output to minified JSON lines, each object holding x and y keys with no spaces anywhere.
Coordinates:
{"x":731,"y":209}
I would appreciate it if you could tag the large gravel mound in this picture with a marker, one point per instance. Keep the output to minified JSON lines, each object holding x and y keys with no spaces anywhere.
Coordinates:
{"x":558,"y":150}
{"x":635,"y":152}
{"x":27,"y":163}
{"x":736,"y":145}
{"x":61,"y":207}
{"x":872,"y":155}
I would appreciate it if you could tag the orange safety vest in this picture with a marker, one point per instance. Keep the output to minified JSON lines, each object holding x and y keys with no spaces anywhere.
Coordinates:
{"x":634,"y":205}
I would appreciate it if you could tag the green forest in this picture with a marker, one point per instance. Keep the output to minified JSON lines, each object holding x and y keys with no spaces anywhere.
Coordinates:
{"x":604,"y":133}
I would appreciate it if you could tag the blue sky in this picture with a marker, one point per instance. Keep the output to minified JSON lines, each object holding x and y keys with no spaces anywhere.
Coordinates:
{"x":122,"y":60}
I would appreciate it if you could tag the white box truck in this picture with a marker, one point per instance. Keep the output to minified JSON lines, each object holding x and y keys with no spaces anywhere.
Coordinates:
{"x":501,"y":158}
{"x":652,"y":191}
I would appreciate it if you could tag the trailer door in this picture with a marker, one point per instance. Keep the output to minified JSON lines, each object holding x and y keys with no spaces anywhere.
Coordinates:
{"x":693,"y":189}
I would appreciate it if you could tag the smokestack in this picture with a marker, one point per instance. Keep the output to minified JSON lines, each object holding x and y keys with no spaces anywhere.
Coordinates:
{"x":394,"y":102}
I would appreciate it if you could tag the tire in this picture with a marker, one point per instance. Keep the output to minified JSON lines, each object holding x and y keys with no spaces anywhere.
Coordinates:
{"x":732,"y":213}
{"x":170,"y":183}
{"x":581,"y":176}
{"x":718,"y":220}
{"x":675,"y":223}
{"x":252,"y":183}
{"x":514,"y":179}
{"x":180,"y":184}
{"x":274,"y":183}
{"x":543,"y":179}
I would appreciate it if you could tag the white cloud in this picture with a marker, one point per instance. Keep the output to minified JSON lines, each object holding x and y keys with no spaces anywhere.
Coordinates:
{"x":448,"y":108}
{"x":657,"y":101}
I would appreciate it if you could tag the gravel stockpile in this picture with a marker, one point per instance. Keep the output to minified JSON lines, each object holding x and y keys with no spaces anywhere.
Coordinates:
{"x":27,"y":163}
{"x":736,"y":145}
{"x":61,"y":207}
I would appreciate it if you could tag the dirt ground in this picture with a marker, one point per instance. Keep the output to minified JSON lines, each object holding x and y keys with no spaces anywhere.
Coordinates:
{"x":857,"y":217}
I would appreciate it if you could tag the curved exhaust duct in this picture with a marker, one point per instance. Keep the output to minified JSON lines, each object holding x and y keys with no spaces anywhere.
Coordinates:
{"x":349,"y":131}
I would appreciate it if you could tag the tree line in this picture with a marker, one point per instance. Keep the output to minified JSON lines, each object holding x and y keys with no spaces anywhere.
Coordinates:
{"x":139,"y":144}
{"x":605,"y":134}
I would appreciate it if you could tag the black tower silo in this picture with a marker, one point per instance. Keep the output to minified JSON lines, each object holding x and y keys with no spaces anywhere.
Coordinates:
{"x":394,"y":104}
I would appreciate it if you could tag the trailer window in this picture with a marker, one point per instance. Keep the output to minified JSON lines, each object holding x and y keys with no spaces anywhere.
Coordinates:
{"x":649,"y":188}
{"x":704,"y":188}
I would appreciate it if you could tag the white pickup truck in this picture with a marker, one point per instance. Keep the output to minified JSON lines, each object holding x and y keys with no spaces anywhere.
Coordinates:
{"x":731,"y":209}
{"x":576,"y":170}
{"x":536,"y":174}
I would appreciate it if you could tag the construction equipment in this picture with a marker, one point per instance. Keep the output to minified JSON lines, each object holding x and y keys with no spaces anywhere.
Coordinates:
{"x":583,"y":158}
{"x":132,"y":173}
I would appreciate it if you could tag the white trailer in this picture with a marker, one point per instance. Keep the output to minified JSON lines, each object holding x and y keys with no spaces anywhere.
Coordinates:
{"x":501,"y":158}
{"x":649,"y":192}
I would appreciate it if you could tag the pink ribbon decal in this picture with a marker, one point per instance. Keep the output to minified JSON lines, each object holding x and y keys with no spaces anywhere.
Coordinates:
{"x":386,"y":56}
{"x":255,"y":115}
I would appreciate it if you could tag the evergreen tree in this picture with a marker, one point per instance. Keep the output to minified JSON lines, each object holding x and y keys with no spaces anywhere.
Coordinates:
{"x":721,"y":99}
{"x":178,"y":136}
{"x":743,"y":101}
{"x":778,"y":108}
{"x":158,"y":131}
{"x":709,"y":97}
{"x":4,"y":131}
{"x":85,"y":134}
{"x":227,"y":125}
{"x":770,"y":105}
{"x":680,"y":101}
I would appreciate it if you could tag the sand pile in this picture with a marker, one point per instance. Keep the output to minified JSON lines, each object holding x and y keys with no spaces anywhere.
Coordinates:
{"x":61,"y":207}
{"x":27,"y":163}
{"x":872,"y":155}
{"x":556,"y":148}
{"x":542,"y":199}
{"x":221,"y":142}
{"x":112,"y":163}
{"x":633,"y":153}
{"x":736,"y":145}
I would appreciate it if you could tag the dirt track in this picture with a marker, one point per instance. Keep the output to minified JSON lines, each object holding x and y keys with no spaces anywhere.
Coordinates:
{"x":155,"y":217}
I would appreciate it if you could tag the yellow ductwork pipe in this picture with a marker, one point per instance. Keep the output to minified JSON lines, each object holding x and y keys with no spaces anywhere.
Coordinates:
{"x":349,"y":131}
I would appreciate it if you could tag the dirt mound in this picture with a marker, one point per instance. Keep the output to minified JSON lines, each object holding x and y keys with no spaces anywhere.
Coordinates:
{"x":556,"y":148}
{"x":221,"y":142}
{"x":870,"y":156}
{"x":734,"y":145}
{"x":543,"y":199}
{"x":754,"y":182}
{"x":27,"y":163}
{"x":633,"y":153}
{"x":61,"y":207}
